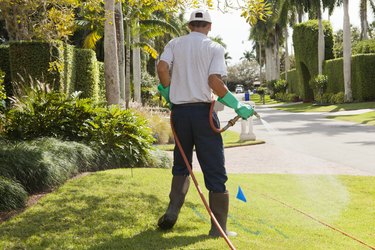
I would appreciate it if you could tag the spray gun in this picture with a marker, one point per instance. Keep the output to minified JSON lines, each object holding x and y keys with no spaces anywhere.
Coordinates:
{"x":233,"y":121}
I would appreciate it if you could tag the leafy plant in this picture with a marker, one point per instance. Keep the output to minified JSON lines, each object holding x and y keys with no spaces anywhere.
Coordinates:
{"x":319,"y":85}
{"x":12,"y":195}
{"x":121,"y":136}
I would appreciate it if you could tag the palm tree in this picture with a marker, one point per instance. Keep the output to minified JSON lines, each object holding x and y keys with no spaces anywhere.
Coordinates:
{"x":347,"y":53}
{"x":363,"y":17}
{"x":110,"y":55}
{"x":227,"y":57}
{"x":248,"y":56}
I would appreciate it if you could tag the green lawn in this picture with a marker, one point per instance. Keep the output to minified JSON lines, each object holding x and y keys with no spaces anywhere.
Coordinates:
{"x":309,"y":107}
{"x":113,"y":210}
{"x":366,"y":118}
{"x":230,"y":139}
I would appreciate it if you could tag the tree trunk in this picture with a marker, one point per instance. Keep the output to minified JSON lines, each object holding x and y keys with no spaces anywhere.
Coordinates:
{"x":120,"y":48}
{"x":110,"y":55}
{"x":287,"y":64}
{"x":347,"y":54}
{"x":320,"y":42}
{"x":137,"y":64}
{"x":363,"y":17}
{"x":127,"y":73}
{"x":260,"y":63}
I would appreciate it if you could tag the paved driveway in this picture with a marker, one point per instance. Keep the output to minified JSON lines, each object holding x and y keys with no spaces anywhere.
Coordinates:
{"x":303,"y":143}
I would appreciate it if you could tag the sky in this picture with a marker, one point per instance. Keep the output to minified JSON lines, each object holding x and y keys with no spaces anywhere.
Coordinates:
{"x":235,"y":31}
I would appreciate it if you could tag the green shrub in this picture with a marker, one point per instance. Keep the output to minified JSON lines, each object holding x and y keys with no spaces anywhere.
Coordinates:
{"x":337,"y":98}
{"x":12,"y":195}
{"x":102,"y":90}
{"x":45,"y":163}
{"x":281,"y":86}
{"x":319,"y":85}
{"x":286,"y":97}
{"x":362,"y":80}
{"x":364,"y":47}
{"x":305,"y":40}
{"x":121,"y":136}
{"x":159,"y":159}
{"x":87,"y":73}
{"x":149,"y":89}
{"x":37,"y":60}
{"x":5,"y":67}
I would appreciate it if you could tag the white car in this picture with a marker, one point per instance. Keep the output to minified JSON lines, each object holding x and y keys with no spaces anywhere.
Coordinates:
{"x":239,"y":89}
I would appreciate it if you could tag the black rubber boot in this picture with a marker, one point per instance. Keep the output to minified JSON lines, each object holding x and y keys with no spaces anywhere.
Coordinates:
{"x":219,"y":205}
{"x":179,"y":189}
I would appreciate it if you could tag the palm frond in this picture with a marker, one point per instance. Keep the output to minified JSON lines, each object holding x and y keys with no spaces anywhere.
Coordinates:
{"x":159,"y":24}
{"x":91,"y":39}
{"x":147,"y":48}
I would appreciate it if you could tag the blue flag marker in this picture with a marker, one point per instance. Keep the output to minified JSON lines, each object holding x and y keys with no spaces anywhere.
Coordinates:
{"x":240,"y":195}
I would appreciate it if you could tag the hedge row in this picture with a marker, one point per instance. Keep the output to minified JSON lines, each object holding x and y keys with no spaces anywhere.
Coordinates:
{"x":305,"y":40}
{"x":362,"y":76}
{"x":66,"y":68}
{"x":5,"y":67}
{"x":293,"y":83}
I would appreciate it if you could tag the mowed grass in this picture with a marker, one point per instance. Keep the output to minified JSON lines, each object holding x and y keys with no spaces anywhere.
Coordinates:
{"x":230,"y":139}
{"x":309,"y":107}
{"x":365,"y":118}
{"x":118,"y":209}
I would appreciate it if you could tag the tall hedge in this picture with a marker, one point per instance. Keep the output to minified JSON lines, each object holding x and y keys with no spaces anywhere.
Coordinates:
{"x":362,"y":80}
{"x":305,"y":41}
{"x":293,"y":82}
{"x":102,"y":89}
{"x":87,"y":73}
{"x":42,"y":61}
{"x":69,"y":69}
{"x":5,"y":67}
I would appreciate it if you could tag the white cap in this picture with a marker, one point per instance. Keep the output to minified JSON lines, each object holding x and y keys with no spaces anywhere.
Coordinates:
{"x":200,"y":15}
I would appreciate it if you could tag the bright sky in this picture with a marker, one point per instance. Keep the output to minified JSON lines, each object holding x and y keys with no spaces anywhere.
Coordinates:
{"x":235,"y":31}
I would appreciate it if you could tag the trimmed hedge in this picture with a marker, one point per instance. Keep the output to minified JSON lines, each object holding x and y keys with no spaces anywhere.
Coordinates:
{"x":102,"y":89}
{"x":293,"y":82}
{"x":69,"y":69}
{"x":12,"y":195}
{"x":43,"y":61}
{"x":5,"y":67}
{"x":87,"y":73}
{"x":44,"y":163}
{"x":362,"y":80}
{"x":305,"y":40}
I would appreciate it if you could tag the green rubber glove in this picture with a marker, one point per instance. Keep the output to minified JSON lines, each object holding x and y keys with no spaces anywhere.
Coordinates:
{"x":165,"y":93}
{"x":243,"y":110}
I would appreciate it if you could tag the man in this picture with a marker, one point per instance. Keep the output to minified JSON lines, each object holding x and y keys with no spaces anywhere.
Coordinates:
{"x":197,"y":66}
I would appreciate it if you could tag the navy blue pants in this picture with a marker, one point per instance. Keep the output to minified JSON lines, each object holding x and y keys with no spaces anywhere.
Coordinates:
{"x":191,"y":123}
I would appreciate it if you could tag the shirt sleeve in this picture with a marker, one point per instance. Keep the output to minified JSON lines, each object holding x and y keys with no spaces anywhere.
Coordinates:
{"x":218,"y":65}
{"x":167,"y":55}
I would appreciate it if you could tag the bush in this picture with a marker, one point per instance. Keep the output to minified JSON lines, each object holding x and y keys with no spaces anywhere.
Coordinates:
{"x":87,"y":73}
{"x":286,"y":97}
{"x":12,"y":195}
{"x":121,"y":136}
{"x":337,"y":98}
{"x":281,"y":86}
{"x":319,"y":85}
{"x":149,"y":89}
{"x":45,"y":163}
{"x":364,"y":47}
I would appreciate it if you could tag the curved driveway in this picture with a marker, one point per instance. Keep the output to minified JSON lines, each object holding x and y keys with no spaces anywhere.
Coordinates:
{"x":303,"y":143}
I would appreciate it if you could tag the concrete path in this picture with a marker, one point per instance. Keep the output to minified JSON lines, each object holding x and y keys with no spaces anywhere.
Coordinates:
{"x":302,"y":143}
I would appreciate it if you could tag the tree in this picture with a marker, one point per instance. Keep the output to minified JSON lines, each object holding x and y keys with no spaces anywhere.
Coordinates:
{"x":110,"y":55}
{"x":120,"y":40}
{"x":38,"y":19}
{"x":347,"y":54}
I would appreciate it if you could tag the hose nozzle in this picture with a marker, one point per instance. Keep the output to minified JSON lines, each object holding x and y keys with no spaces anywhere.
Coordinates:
{"x":257,"y":115}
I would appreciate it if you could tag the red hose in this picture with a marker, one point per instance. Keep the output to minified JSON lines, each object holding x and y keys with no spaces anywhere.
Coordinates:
{"x":197,"y":185}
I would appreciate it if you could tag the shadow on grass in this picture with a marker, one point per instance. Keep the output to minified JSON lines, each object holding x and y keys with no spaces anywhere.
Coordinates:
{"x":150,"y":239}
